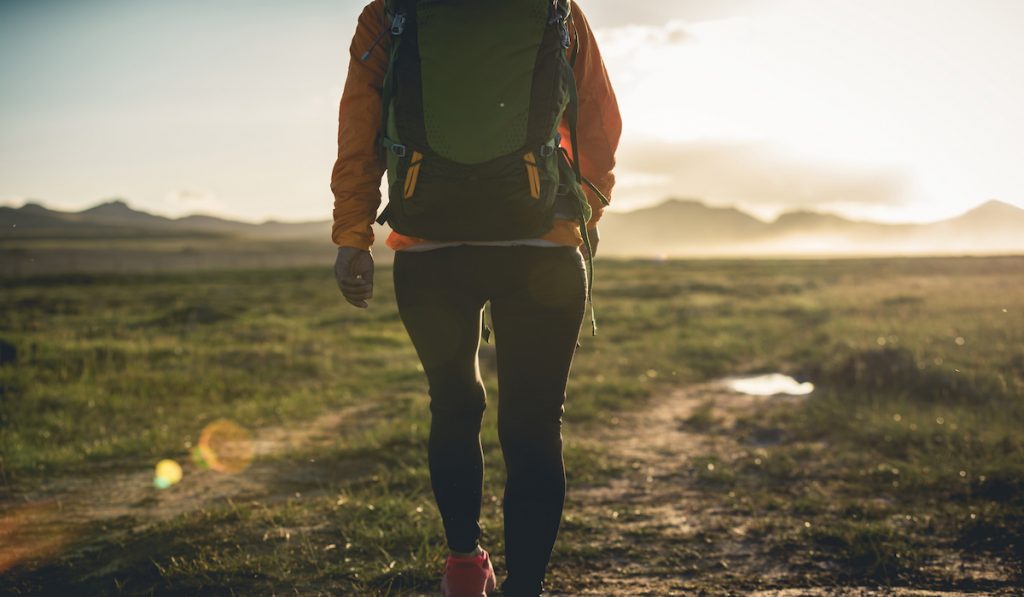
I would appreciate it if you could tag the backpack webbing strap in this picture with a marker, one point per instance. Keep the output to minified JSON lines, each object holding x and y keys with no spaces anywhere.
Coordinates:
{"x":601,"y":197}
{"x":590,"y":272}
{"x":394,"y":16}
{"x":572,"y":116}
{"x":388,"y":89}
{"x":384,"y":213}
{"x":486,"y":329}
{"x":590,"y":253}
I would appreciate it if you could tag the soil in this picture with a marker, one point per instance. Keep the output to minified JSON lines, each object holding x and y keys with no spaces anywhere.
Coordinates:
{"x":672,"y":536}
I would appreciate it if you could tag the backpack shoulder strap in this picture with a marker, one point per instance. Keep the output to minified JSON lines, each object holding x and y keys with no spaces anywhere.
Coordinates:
{"x":395,"y":22}
{"x":395,"y":14}
{"x":393,"y":6}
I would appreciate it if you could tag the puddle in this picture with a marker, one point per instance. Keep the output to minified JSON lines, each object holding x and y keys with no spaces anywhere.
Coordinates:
{"x":770,"y":384}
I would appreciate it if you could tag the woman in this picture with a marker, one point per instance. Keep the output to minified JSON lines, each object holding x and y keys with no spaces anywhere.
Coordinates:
{"x":536,"y":285}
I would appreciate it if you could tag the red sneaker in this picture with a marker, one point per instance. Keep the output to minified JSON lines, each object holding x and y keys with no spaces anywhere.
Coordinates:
{"x":468,"y":577}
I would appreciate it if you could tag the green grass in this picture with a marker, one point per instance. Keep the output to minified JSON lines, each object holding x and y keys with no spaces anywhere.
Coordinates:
{"x":916,"y":425}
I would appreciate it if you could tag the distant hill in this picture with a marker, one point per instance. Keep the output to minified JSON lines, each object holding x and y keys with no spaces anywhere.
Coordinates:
{"x":117,"y":212}
{"x":676,"y":223}
{"x":115,"y":218}
{"x":676,"y":227}
{"x":993,"y":218}
{"x":680,"y":227}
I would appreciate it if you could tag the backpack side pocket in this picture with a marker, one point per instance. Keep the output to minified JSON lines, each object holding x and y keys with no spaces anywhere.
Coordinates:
{"x":570,"y":190}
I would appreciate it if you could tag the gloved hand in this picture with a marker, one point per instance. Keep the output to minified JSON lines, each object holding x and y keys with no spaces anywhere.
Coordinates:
{"x":595,"y":237}
{"x":353,"y":270}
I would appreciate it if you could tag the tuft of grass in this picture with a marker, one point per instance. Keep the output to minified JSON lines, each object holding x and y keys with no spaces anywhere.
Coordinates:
{"x":702,"y":419}
{"x":875,"y":550}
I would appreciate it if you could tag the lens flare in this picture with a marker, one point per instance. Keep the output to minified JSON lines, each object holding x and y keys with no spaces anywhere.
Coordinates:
{"x":31,"y":533}
{"x":225,"y":447}
{"x":168,"y":472}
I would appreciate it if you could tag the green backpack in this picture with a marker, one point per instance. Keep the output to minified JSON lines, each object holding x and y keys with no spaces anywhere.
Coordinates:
{"x":472,"y":100}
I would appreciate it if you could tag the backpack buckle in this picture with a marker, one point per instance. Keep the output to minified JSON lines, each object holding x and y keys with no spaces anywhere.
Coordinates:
{"x":398,"y":24}
{"x":396,"y":148}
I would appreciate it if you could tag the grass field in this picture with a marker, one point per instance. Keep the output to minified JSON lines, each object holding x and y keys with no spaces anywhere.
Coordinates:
{"x":905,"y":467}
{"x":154,"y":252}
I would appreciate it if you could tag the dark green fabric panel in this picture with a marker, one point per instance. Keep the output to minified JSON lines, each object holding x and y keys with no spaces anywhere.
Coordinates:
{"x":477,"y":61}
{"x":550,"y":89}
{"x":490,"y":201}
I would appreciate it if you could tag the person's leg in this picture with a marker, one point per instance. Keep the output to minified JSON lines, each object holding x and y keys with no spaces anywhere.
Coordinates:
{"x":537,"y":317}
{"x":441,"y":312}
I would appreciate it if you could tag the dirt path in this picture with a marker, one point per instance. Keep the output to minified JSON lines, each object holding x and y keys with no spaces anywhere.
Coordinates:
{"x":667,"y":535}
{"x":51,"y":517}
{"x":662,"y":508}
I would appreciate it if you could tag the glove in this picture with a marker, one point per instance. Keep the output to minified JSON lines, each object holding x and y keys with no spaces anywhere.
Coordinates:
{"x":353,"y":270}
{"x":595,"y":237}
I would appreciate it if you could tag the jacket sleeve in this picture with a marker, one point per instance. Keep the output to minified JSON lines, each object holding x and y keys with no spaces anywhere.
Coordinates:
{"x":356,"y":177}
{"x":599,"y":123}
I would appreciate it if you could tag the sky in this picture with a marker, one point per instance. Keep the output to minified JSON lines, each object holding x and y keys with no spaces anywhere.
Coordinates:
{"x":874,"y":109}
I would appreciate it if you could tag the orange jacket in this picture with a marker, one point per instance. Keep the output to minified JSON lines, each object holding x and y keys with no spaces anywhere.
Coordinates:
{"x":356,"y":178}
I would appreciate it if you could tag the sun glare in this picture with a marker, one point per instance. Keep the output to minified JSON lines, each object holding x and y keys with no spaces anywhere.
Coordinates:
{"x":838,"y":85}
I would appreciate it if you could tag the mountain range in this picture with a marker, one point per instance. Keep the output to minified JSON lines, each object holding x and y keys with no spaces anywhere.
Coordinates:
{"x":689,"y":227}
{"x":676,"y":227}
{"x":115,"y":218}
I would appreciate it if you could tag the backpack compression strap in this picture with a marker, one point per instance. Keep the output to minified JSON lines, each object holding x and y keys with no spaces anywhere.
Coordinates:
{"x":395,"y":12}
{"x":564,"y":14}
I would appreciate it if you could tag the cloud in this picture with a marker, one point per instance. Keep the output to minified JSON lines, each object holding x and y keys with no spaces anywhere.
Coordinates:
{"x":188,"y":201}
{"x":651,"y":12}
{"x":626,"y":40}
{"x":752,"y":175}
{"x":703,"y":10}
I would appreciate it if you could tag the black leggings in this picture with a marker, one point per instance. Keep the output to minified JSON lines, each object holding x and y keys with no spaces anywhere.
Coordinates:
{"x":537,"y":297}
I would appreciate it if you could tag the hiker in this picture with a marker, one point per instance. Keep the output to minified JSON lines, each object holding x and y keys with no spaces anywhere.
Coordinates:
{"x":497,"y":127}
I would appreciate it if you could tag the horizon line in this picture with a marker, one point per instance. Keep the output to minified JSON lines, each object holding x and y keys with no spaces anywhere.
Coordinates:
{"x":40,"y":202}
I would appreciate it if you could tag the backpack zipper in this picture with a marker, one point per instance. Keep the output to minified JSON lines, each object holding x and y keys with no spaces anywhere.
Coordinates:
{"x":397,"y":27}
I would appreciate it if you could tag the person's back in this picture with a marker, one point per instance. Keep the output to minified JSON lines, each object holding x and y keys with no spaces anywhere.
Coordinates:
{"x":471,"y":108}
